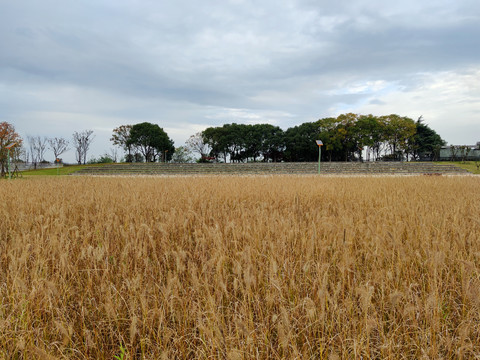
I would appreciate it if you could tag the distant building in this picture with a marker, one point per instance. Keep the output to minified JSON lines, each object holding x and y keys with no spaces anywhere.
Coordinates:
{"x":460,"y":152}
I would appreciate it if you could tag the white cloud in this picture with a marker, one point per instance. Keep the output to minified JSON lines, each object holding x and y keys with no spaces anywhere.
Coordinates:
{"x":449,"y":102}
{"x":365,"y":87}
{"x":245,"y":116}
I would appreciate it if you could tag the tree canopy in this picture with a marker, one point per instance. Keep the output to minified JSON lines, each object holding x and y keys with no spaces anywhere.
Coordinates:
{"x":151,"y":141}
{"x":8,"y":136}
{"x":121,"y":137}
{"x":347,"y":137}
{"x":427,"y":142}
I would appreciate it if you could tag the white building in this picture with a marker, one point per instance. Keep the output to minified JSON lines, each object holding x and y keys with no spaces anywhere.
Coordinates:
{"x":460,"y":152}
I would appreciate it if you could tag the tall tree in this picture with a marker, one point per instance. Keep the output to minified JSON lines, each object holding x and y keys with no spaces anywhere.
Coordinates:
{"x":196,"y":144}
{"x":242,"y":142}
{"x":331,"y":135}
{"x":121,"y":138}
{"x":81,"y":143}
{"x":300,"y":142}
{"x":216,"y":140}
{"x":399,"y":131}
{"x":58,"y":146}
{"x":348,"y":135}
{"x":426,"y":141}
{"x":272,"y":142}
{"x":346,"y":138}
{"x":37,"y":146}
{"x":370,"y":134}
{"x":152,"y":141}
{"x":235,"y":136}
{"x":8,"y":136}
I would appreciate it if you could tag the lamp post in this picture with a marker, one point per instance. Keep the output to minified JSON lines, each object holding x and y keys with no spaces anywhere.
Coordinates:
{"x":8,"y":147}
{"x":320,"y":144}
{"x":165,"y":157}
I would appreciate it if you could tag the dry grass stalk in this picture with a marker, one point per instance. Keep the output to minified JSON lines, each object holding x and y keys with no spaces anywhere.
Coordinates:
{"x":240,"y":268}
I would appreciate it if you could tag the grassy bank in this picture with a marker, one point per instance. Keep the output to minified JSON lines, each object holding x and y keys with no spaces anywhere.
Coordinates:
{"x":65,"y":170}
{"x":467,"y":165}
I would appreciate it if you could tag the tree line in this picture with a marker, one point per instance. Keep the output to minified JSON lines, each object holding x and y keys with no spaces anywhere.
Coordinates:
{"x":13,"y":147}
{"x":348,"y":137}
{"x":37,"y":146}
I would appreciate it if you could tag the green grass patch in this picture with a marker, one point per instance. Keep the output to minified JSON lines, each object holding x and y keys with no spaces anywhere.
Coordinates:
{"x":467,"y":165}
{"x":65,"y":170}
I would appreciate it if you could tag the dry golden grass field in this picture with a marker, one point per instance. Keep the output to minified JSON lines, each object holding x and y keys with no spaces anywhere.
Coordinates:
{"x":266,"y":267}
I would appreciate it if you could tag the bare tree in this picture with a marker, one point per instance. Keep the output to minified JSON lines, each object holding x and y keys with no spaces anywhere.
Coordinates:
{"x":37,"y":147}
{"x":196,"y":143}
{"x":468,"y":149}
{"x":58,"y":146}
{"x":81,"y":143}
{"x":454,"y":151}
{"x":113,"y":154}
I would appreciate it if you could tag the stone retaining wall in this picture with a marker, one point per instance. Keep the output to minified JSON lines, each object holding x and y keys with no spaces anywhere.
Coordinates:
{"x":273,"y":168}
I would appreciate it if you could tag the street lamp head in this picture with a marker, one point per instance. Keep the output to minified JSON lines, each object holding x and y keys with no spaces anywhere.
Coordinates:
{"x":319,"y":142}
{"x":9,"y":146}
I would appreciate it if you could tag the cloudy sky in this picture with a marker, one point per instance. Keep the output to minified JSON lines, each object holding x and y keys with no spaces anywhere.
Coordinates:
{"x":96,"y":64}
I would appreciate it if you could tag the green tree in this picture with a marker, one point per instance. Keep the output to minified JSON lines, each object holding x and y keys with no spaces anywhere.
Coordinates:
{"x":348,"y":135}
{"x":370,"y":134}
{"x":300,"y":142}
{"x":151,"y":141}
{"x":272,"y":143}
{"x":102,"y":159}
{"x":253,"y":138}
{"x":121,"y":138}
{"x":235,"y":141}
{"x":345,"y":138}
{"x":399,"y":132}
{"x":182,"y":155}
{"x":426,"y":141}
{"x":332,"y":148}
{"x":241,"y":142}
{"x":215,"y":139}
